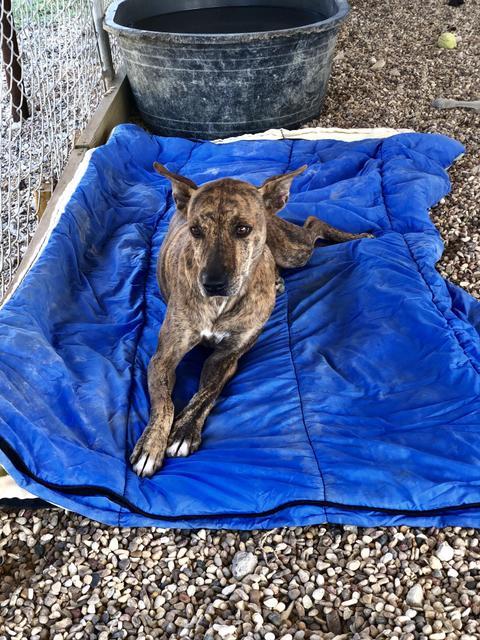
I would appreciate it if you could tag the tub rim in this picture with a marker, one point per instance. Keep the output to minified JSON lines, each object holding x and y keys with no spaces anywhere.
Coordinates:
{"x":115,"y":28}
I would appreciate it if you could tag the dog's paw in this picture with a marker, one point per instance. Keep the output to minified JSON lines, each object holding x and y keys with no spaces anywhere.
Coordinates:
{"x":148,"y":454}
{"x":279,"y":285}
{"x":183,"y":440}
{"x":366,"y":235}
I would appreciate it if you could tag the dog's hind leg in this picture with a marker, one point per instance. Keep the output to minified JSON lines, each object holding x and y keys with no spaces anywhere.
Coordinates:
{"x":292,"y":245}
{"x":279,"y":282}
{"x":320,"y":230}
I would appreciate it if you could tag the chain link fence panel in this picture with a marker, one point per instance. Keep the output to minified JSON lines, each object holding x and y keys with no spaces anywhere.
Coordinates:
{"x":51,"y":84}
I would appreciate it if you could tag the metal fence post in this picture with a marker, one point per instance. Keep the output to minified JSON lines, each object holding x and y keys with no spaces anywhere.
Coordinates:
{"x":103,"y":43}
{"x":11,"y":63}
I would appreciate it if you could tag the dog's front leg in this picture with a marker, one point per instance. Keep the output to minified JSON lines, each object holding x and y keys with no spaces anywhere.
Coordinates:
{"x":174,"y":342}
{"x":185,"y":436}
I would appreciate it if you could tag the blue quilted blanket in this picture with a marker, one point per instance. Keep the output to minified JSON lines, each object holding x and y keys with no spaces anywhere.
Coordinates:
{"x":359,"y":403}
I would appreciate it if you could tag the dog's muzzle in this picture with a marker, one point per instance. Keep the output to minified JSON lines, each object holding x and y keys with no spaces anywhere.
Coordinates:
{"x":215,"y":284}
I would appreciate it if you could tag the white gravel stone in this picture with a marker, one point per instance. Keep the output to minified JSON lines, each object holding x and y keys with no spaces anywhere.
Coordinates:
{"x":56,"y":588}
{"x":444,"y":552}
{"x":225,"y":630}
{"x":271,"y":603}
{"x":257,"y":618}
{"x":113,"y":546}
{"x":318,"y":594}
{"x":303,"y":576}
{"x":243,"y":563}
{"x":377,"y":66}
{"x":415,"y":596}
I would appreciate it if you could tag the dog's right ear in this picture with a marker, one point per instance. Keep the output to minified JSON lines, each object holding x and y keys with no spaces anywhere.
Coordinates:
{"x":182,"y":188}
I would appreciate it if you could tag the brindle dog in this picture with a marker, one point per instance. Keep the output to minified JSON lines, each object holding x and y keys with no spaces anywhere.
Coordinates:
{"x":218,"y":270}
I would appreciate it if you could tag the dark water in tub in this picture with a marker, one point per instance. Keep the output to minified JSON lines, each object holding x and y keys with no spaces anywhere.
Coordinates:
{"x":229,"y":20}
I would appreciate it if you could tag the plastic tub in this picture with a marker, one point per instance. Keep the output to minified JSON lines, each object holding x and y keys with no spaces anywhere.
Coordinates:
{"x":216,"y":68}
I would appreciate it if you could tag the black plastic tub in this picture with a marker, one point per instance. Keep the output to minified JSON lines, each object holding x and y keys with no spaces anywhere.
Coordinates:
{"x":217,"y":68}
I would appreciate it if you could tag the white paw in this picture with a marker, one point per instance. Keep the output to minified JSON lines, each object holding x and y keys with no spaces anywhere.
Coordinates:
{"x":179,"y":449}
{"x":145,"y":465}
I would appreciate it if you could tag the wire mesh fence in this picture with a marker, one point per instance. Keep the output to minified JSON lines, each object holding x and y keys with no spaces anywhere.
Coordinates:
{"x":51,"y":83}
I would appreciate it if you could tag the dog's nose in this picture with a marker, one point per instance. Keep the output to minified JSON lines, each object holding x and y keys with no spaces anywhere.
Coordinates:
{"x":215,"y":284}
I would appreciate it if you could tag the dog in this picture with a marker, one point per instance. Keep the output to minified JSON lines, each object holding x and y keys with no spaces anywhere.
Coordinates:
{"x":219,"y":273}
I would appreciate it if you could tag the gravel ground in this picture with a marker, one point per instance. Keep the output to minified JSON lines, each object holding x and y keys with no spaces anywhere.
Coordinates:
{"x":402,"y":34}
{"x":64,"y":576}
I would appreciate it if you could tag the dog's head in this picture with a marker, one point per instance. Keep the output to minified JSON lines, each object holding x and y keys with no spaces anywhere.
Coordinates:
{"x":227,"y":221}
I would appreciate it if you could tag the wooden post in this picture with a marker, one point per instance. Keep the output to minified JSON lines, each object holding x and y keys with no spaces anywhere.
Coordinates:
{"x":103,"y":43}
{"x":11,"y":63}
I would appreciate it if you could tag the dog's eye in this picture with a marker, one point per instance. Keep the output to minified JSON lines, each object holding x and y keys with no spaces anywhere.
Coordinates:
{"x":196,"y":231}
{"x":242,"y":230}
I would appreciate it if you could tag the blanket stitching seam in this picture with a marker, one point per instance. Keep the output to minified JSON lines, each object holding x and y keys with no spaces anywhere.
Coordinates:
{"x":130,"y":390}
{"x":422,"y":274}
{"x":382,"y":192}
{"x":447,"y":321}
{"x":300,"y":402}
{"x":93,"y":490}
{"x":144,"y":306}
{"x":294,"y":369}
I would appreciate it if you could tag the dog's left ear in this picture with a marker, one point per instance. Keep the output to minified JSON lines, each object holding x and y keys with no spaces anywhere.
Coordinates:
{"x":182,"y":188}
{"x":276,"y":190}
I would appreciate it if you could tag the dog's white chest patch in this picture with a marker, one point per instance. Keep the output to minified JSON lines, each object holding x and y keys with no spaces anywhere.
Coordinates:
{"x":216,"y":336}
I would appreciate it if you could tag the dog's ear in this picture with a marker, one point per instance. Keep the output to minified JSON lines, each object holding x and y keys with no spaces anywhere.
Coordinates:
{"x":182,"y":188}
{"x":275,"y":190}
